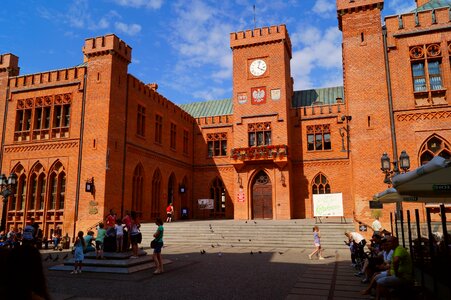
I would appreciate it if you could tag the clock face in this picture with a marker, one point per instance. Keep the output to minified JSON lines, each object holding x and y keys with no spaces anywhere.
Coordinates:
{"x":258,"y":67}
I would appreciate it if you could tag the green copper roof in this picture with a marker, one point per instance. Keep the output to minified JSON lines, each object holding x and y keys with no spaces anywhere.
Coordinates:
{"x":323,"y":96}
{"x":433,"y":4}
{"x":209,"y":108}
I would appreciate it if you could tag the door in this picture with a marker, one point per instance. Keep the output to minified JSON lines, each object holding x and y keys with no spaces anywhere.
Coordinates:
{"x":262,"y":197}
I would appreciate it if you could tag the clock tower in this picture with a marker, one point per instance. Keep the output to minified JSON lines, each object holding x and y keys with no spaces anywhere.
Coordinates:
{"x":262,"y":92}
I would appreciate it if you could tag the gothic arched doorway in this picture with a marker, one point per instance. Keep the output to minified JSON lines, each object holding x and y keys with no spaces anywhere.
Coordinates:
{"x":262,"y":197}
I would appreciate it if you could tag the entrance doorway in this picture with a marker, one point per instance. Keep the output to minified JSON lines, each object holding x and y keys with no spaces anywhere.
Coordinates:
{"x":262,"y":197}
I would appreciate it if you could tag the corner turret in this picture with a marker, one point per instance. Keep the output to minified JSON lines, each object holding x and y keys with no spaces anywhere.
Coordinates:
{"x":9,"y":63}
{"x":108,"y":44}
{"x":348,"y":6}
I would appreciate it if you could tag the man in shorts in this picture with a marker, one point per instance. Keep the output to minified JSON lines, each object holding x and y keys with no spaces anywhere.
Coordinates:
{"x":101,"y":233}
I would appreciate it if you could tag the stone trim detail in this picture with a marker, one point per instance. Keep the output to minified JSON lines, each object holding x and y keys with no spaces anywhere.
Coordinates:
{"x":41,"y":147}
{"x":424,"y":116}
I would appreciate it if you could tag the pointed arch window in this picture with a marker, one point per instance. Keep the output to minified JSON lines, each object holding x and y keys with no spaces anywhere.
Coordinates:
{"x":62,"y":190}
{"x":41,"y":186}
{"x":218,"y":194}
{"x":320,"y":185}
{"x":156,"y":191}
{"x":434,"y":146}
{"x":57,"y":188}
{"x":34,"y":192}
{"x":137,"y":192}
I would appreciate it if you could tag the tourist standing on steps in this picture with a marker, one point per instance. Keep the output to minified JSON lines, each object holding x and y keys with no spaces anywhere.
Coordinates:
{"x":119,"y":235}
{"x":376,"y":226}
{"x":79,"y":246}
{"x":317,"y":243}
{"x":169,"y":212}
{"x":101,"y":233}
{"x":135,"y":234}
{"x":158,"y":238}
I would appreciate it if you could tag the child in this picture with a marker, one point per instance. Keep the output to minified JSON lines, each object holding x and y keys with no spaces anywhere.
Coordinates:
{"x":317,"y":242}
{"x":79,"y":245}
{"x":101,"y":233}
{"x":119,"y":235}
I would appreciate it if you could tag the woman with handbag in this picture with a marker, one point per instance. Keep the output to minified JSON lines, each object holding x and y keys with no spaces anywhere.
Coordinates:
{"x":157,"y":244}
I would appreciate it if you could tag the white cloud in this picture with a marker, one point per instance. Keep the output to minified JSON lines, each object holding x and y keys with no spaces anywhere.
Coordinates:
{"x":130,"y":29}
{"x":324,"y":8}
{"x":152,"y":4}
{"x":318,"y":50}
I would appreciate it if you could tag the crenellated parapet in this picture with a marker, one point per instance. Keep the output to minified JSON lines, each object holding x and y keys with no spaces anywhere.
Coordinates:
{"x":106,"y":45}
{"x":260,"y":36}
{"x":351,"y":6}
{"x":49,"y":78}
{"x":215,"y":121}
{"x":419,"y":22}
{"x":150,"y":91}
{"x":330,"y":110}
{"x":9,"y":63}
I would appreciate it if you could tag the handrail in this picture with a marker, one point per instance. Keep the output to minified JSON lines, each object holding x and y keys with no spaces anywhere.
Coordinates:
{"x":93,"y":226}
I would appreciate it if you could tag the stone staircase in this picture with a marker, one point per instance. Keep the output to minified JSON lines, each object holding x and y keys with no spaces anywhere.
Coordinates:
{"x":253,"y":234}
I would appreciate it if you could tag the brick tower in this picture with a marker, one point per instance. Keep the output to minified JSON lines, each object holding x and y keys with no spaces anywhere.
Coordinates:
{"x":365,"y":88}
{"x":262,"y":92}
{"x":107,"y":60}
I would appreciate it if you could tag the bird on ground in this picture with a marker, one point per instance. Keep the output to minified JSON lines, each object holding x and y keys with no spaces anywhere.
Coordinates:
{"x":252,"y":252}
{"x":202,"y":251}
{"x":239,"y":240}
{"x":280,"y":253}
{"x":259,"y":252}
{"x":255,"y":222}
{"x":217,"y":244}
{"x":212,"y":246}
{"x":66,"y":256}
{"x":245,"y":222}
{"x":250,"y":240}
{"x":56,"y":258}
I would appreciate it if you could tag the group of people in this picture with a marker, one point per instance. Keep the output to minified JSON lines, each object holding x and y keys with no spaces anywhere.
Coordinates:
{"x":384,"y":264}
{"x":124,"y":232}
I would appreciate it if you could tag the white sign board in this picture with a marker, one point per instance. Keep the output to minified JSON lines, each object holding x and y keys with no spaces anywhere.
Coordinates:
{"x":205,"y":203}
{"x":328,"y":205}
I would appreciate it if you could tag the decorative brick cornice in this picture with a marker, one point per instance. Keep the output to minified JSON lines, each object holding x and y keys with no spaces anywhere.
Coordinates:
{"x":423,"y":116}
{"x":322,"y":163}
{"x":41,"y":146}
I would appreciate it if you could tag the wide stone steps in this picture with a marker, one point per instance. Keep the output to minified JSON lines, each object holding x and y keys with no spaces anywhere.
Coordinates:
{"x":260,"y":233}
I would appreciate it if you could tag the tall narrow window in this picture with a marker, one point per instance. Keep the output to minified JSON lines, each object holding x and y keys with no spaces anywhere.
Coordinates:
{"x":185,"y":141}
{"x":57,"y":116}
{"x":320,"y":185}
{"x":62,"y":190}
{"x":34,"y":192}
{"x":141,"y":121}
{"x":54,"y":191}
{"x":318,"y":138}
{"x":426,"y":68}
{"x":173,"y":135}
{"x":46,"y":117}
{"x":22,"y":192}
{"x":66,"y":114}
{"x":158,"y":128}
{"x":217,"y":144}
{"x":259,"y":134}
{"x":37,"y":118}
{"x":137,"y":192}
{"x":218,"y":194}
{"x":41,"y":181}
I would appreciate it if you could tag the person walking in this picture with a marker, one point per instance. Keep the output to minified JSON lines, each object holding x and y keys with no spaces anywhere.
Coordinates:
{"x":158,"y":238}
{"x":79,"y":246}
{"x":169,"y":212}
{"x":317,"y":243}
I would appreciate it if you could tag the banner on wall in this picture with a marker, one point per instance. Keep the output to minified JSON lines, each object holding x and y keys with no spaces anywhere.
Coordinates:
{"x":205,"y":203}
{"x":328,"y":205}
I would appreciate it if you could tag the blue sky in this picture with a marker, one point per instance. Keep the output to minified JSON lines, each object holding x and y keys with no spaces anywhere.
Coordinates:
{"x":182,"y":45}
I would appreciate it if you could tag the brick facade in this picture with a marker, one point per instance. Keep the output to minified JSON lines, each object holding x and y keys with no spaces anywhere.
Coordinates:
{"x":142,"y":151}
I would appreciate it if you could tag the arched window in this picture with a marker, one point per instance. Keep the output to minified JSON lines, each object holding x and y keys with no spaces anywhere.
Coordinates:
{"x":57,"y":187}
{"x":20,"y":189}
{"x":41,"y":187}
{"x":156,"y":194}
{"x":21,"y":192}
{"x":171,"y":188}
{"x":218,"y":194}
{"x":137,"y":193}
{"x":320,"y":185}
{"x":434,"y":146}
{"x":37,"y":183}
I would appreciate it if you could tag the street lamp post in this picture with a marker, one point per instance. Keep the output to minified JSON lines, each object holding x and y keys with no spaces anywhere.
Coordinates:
{"x":403,"y":163}
{"x":7,"y":187}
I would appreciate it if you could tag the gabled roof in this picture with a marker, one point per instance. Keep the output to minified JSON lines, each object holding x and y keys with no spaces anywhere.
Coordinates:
{"x":433,"y":4}
{"x":322,"y":96}
{"x":209,"y":108}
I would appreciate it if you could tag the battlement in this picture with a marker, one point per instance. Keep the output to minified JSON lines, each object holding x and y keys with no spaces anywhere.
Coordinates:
{"x":9,"y":63}
{"x":55,"y":77}
{"x":215,"y":121}
{"x":418,"y":22}
{"x":259,"y":36}
{"x":108,"y":44}
{"x":351,"y":6}
{"x":331,"y":110}
{"x":149,"y":90}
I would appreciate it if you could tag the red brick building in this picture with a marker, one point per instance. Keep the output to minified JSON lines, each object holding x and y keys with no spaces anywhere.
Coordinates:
{"x":91,"y":138}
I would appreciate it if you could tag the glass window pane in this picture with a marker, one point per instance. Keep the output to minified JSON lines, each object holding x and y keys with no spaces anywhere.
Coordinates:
{"x":318,"y":142}
{"x":310,"y":142}
{"x":224,"y":148}
{"x":327,"y":143}
{"x":38,"y":118}
{"x":217,"y":148}
{"x":259,"y":138}
{"x":210,"y":149}
{"x":251,"y":139}
{"x":66,"y":115}
{"x":267,"y":137}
